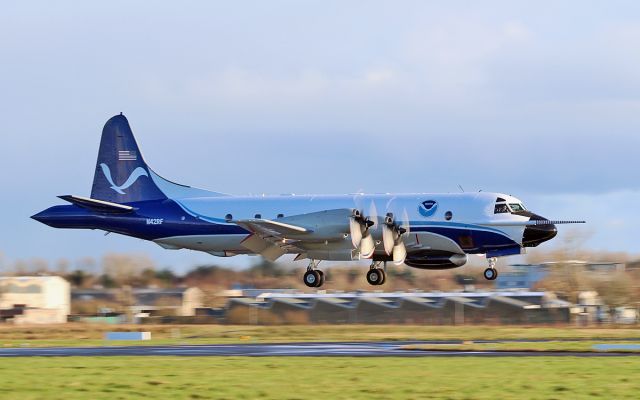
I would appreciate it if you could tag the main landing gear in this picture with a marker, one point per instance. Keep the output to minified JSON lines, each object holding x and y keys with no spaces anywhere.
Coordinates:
{"x":376,"y":275}
{"x":314,"y":277}
{"x":491,"y":273}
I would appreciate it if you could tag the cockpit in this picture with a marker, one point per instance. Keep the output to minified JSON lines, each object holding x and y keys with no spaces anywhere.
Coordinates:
{"x":504,"y":207}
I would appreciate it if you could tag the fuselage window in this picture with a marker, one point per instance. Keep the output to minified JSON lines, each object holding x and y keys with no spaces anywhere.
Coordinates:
{"x":257,"y":216}
{"x":448,"y":215}
{"x":501,"y":209}
{"x":228,"y":217}
{"x":280,"y":216}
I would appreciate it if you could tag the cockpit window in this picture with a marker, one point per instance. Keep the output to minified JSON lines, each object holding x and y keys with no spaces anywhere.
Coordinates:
{"x":516,"y":207}
{"x":501,"y":208}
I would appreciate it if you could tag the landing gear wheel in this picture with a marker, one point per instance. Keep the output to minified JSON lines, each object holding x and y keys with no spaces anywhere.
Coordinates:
{"x":375,"y":276}
{"x":490,"y":274}
{"x":384,"y":277}
{"x":321,"y":281}
{"x":312,"y":278}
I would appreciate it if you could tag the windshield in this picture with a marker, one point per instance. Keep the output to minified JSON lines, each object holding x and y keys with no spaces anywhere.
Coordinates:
{"x":516,"y":207}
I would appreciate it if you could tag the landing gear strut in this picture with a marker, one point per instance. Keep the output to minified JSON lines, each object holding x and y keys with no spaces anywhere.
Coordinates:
{"x":491,"y":273}
{"x":313,"y":277}
{"x":376,"y":275}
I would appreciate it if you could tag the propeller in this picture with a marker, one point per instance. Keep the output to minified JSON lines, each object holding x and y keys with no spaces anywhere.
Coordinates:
{"x":367,"y":245}
{"x":359,"y":228}
{"x":392,"y":233}
{"x":356,"y":230}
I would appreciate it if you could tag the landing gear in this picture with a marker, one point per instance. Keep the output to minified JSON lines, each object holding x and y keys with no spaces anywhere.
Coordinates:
{"x":376,"y":275}
{"x":491,"y":273}
{"x":313,"y":277}
{"x":321,"y":273}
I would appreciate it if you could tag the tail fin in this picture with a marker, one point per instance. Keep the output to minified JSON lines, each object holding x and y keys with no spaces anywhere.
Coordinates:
{"x":121,"y":174}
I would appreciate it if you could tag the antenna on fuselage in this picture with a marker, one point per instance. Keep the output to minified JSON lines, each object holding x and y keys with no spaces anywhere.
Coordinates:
{"x":460,"y":187}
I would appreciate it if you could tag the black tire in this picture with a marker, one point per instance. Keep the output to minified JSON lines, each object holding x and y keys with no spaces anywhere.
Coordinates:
{"x":374,"y":276}
{"x":490,"y":274}
{"x":311,"y":278}
{"x":384,"y":276}
{"x":321,"y":280}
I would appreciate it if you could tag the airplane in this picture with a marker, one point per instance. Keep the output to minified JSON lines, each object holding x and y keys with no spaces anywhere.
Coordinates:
{"x":422,"y":230}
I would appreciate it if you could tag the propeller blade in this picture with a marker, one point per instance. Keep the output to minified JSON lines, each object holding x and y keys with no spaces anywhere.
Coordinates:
{"x":388,"y":238}
{"x":355,"y":229}
{"x":405,"y":222}
{"x":399,"y":253}
{"x":367,"y":246}
{"x":373,"y":215}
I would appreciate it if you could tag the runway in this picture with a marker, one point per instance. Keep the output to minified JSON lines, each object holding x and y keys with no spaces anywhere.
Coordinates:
{"x":350,"y":349}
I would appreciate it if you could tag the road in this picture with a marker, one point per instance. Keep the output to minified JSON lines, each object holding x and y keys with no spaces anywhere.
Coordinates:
{"x":357,"y":349}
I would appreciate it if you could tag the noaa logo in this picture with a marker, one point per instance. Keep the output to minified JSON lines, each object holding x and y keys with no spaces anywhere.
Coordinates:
{"x":137,"y":173}
{"x":428,"y":208}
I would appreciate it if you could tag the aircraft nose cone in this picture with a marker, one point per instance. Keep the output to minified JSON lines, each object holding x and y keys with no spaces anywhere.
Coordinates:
{"x":536,"y":234}
{"x":40,"y":217}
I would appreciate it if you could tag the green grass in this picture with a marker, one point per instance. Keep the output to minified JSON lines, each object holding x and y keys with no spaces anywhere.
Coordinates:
{"x":319,"y":378}
{"x":91,"y":335}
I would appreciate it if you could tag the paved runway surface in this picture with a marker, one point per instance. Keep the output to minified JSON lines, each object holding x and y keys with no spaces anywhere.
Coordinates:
{"x":358,"y":349}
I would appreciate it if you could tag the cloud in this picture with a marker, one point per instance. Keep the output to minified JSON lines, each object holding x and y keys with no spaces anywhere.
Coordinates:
{"x":336,"y":97}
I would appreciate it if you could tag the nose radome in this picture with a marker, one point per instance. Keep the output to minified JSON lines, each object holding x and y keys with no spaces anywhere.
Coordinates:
{"x":536,"y":234}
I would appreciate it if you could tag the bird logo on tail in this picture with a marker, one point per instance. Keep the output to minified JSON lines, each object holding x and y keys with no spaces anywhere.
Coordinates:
{"x":137,"y":173}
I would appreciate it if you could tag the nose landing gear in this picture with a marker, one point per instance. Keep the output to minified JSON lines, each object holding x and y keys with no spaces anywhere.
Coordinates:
{"x":313,"y":277}
{"x":376,"y":275}
{"x":491,"y":273}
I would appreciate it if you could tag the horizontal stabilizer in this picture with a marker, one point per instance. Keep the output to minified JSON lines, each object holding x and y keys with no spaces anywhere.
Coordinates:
{"x":97,"y":205}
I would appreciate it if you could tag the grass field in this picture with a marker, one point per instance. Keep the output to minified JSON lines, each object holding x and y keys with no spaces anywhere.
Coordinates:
{"x":319,"y":378}
{"x":91,"y":335}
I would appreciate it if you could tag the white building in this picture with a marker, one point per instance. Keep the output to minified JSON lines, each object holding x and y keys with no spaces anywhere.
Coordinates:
{"x":35,"y":299}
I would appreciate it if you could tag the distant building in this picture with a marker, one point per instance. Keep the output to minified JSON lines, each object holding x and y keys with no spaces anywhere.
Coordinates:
{"x":526,"y":276}
{"x":34,"y":299}
{"x":521,"y":276}
{"x":452,"y":308}
{"x":173,"y":301}
{"x":182,"y":302}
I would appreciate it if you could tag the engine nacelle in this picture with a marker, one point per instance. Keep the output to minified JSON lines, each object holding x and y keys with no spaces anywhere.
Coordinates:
{"x":440,"y":261}
{"x":328,"y":225}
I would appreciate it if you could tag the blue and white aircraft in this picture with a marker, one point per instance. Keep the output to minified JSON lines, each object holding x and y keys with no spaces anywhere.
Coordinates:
{"x":422,"y":230}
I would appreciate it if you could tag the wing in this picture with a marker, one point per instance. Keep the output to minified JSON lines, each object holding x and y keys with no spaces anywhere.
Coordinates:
{"x":270,"y":238}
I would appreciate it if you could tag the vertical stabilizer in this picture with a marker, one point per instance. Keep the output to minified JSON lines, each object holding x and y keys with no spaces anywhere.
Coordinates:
{"x":121,"y":175}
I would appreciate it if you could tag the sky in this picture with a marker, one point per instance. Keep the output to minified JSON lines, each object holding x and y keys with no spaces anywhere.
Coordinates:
{"x":533,"y":98}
